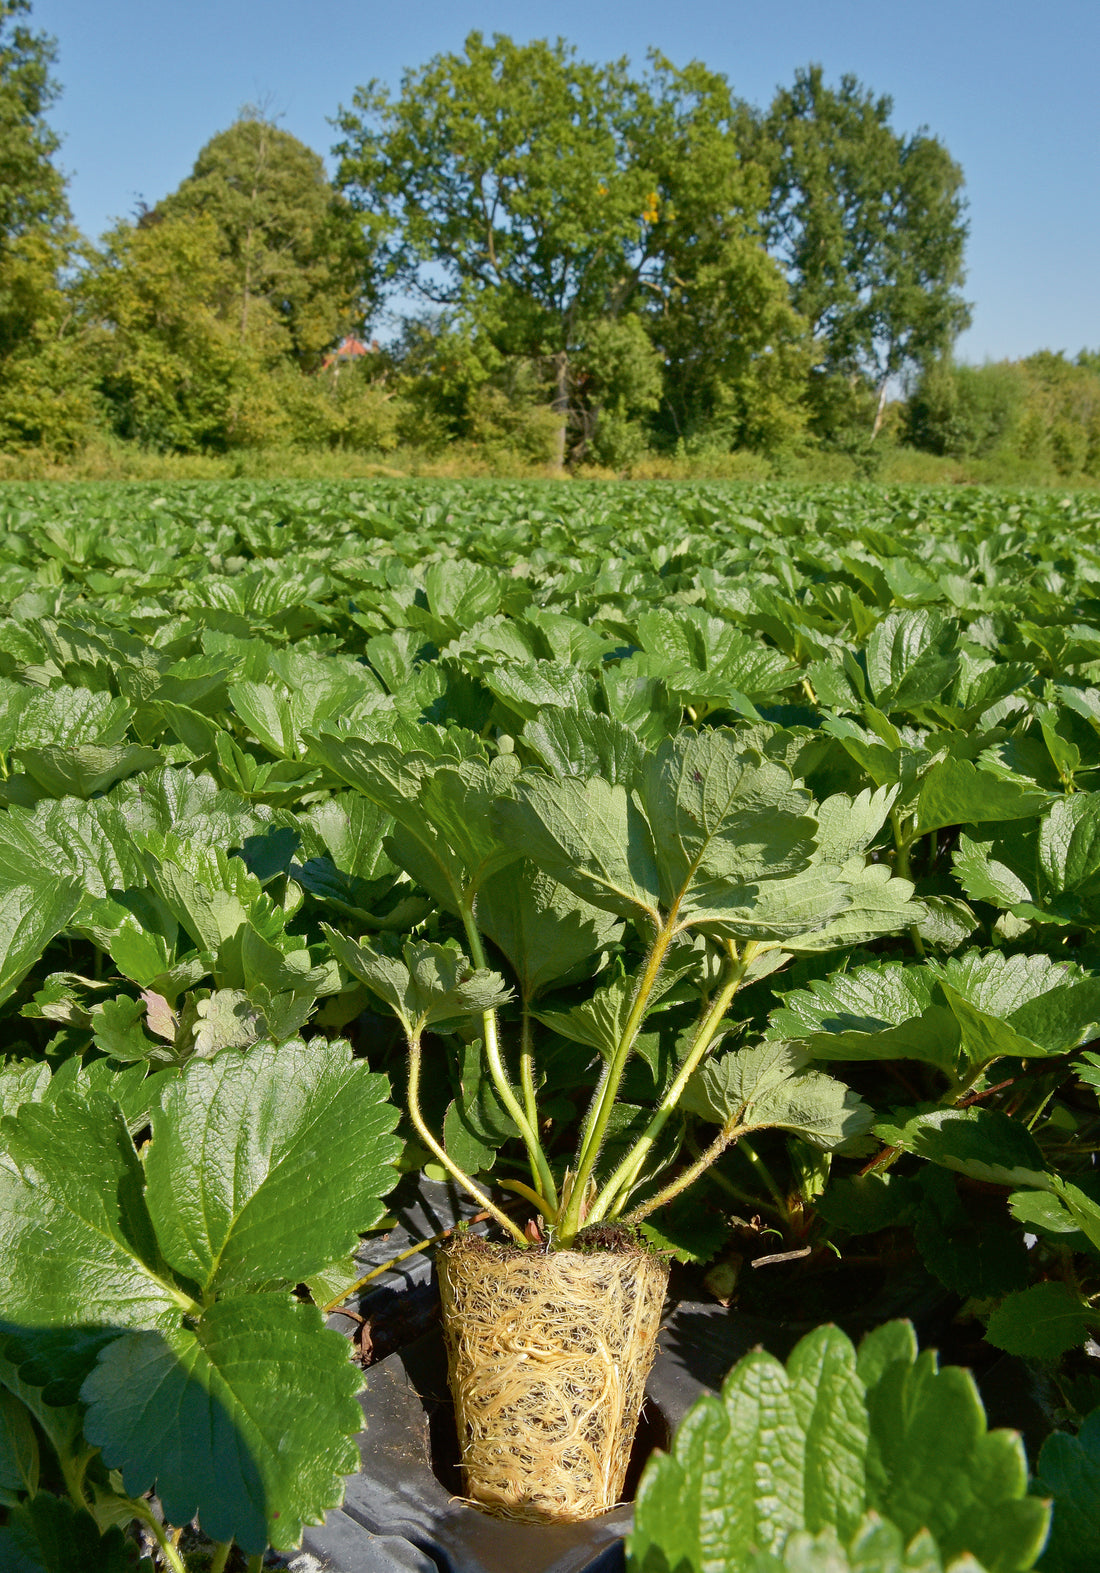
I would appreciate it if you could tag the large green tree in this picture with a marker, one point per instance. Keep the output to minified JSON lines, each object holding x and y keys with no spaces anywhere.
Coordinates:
{"x":736,"y":354}
{"x":1041,"y":413}
{"x":43,"y":399}
{"x":171,"y":371}
{"x":596,"y":224}
{"x":210,"y":312}
{"x":297,"y":271}
{"x":501,"y":190}
{"x":32,"y":188}
{"x":870,"y":227}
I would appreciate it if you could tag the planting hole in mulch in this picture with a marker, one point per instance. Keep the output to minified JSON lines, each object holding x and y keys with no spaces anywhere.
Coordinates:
{"x":406,"y":1508}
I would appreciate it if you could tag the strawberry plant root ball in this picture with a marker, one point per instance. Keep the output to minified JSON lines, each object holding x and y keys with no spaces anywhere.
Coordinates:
{"x":548,"y":1356}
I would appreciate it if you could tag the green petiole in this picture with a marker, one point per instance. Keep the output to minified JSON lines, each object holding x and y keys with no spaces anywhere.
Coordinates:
{"x":599,"y":1112}
{"x":616,"y":1192}
{"x":452,"y":1168}
{"x":528,"y":1129}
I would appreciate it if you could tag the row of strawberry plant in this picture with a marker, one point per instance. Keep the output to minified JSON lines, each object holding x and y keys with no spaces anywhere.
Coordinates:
{"x":633,"y":826}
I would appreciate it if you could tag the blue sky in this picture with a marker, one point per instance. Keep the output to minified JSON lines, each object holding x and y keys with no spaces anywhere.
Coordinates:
{"x":1010,"y":86}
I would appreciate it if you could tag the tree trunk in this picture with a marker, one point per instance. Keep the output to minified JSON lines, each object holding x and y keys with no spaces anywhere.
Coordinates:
{"x":560,"y":407}
{"x":246,"y":294}
{"x":881,"y":411}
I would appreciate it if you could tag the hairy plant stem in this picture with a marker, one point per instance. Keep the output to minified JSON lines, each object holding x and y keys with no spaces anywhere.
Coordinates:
{"x":527,"y":1068}
{"x":738,"y":1192}
{"x":74,"y":1472}
{"x":528,"y":1129}
{"x":903,"y":846}
{"x":448,"y":1163}
{"x":526,"y":1192}
{"x":962,"y":1084}
{"x":376,"y":1272}
{"x":754,"y":1158}
{"x":689,"y":1175}
{"x":221,"y":1556}
{"x":141,"y":1510}
{"x":616,"y":1193}
{"x":171,"y":1556}
{"x":603,"y":1100}
{"x":394,"y":1261}
{"x":1041,"y":1110}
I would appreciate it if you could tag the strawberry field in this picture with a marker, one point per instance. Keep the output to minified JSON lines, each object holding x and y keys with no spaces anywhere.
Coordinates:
{"x":715,"y":863}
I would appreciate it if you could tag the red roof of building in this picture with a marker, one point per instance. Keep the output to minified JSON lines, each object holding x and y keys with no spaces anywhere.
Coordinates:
{"x":349,"y":349}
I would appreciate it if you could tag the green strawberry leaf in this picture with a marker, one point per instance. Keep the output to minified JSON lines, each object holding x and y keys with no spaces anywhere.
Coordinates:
{"x":61,"y":1424}
{"x":22,"y":1081}
{"x":780,"y":1469}
{"x":997,"y":869}
{"x":87,"y":770}
{"x":847,"y":826}
{"x":742,"y":1471}
{"x":956,"y":792}
{"x":30,"y":916}
{"x":546,"y":932}
{"x":270,"y":1115}
{"x":982,"y":1143}
{"x":687,"y":1231}
{"x":589,"y":836}
{"x":866,"y":1203}
{"x":240,"y":1408}
{"x":1042,"y":1321}
{"x":1043,"y":1006}
{"x":245,"y":1420}
{"x":119,"y":1030}
{"x":50,"y":1535}
{"x":1069,"y":846}
{"x":1046,"y":1214}
{"x":911,"y":658}
{"x":974,"y":1251}
{"x":1069,"y":1471}
{"x":443,"y":808}
{"x":66,"y":717}
{"x":774,"y":1086}
{"x":79,"y":1256}
{"x":526,"y":688}
{"x":584,"y":743}
{"x":427,"y":984}
{"x":461,"y":593}
{"x":208,"y":893}
{"x":932,"y":1464}
{"x":19,"y":1459}
{"x":871,"y":1013}
{"x":718,"y":813}
{"x":877,"y":1547}
{"x":980,"y":1005}
{"x":475,"y":1126}
{"x":1081,"y":1207}
{"x":871,"y":903}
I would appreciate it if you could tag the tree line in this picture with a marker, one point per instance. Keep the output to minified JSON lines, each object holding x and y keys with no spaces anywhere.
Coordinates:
{"x":571,"y":263}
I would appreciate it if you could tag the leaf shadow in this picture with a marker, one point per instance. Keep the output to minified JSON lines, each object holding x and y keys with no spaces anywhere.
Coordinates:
{"x":189,"y":1449}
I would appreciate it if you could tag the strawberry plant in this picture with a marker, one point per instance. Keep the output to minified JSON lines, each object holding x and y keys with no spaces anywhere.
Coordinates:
{"x":724,"y":867}
{"x":151,"y":1330}
{"x":841,"y":1460}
